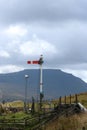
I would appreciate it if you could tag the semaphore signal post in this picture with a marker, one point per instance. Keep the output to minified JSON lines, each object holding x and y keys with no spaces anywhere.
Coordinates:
{"x":39,"y":62}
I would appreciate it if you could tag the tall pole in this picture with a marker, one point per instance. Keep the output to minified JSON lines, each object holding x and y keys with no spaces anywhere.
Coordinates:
{"x":41,"y":80}
{"x":25,"y":102}
{"x":40,"y":62}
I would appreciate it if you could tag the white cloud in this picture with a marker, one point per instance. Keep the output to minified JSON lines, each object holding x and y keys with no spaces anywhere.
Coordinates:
{"x":4,"y":54}
{"x":78,"y":73}
{"x":38,"y":47}
{"x":10,"y":68}
{"x":15,"y":31}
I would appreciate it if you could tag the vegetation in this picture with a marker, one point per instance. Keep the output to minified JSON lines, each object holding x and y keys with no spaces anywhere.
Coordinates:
{"x":82,"y":98}
{"x":74,"y":122}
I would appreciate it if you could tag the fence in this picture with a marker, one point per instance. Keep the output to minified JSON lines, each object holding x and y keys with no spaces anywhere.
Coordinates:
{"x":41,"y":119}
{"x":31,"y":123}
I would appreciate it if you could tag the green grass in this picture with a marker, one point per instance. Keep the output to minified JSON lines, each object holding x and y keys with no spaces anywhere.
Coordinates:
{"x":18,"y":115}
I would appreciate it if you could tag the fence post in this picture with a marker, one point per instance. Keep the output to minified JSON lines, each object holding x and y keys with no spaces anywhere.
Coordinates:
{"x":70,"y":98}
{"x":76,"y":98}
{"x":65,"y":99}
{"x":60,"y":100}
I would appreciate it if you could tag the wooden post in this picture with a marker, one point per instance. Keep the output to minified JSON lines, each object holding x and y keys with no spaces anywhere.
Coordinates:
{"x":65,"y":99}
{"x":60,"y":100}
{"x":76,"y":99}
{"x":70,"y":98}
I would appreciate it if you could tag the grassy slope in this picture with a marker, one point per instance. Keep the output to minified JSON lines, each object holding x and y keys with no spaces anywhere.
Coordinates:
{"x":82,"y":98}
{"x":75,"y":122}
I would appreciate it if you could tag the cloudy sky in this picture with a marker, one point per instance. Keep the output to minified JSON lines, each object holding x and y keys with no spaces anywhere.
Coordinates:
{"x":55,"y":28}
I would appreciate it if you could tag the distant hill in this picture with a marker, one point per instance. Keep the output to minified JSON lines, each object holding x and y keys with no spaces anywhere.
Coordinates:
{"x":55,"y":83}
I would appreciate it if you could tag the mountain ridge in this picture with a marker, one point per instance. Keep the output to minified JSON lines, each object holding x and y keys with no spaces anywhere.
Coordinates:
{"x":55,"y":83}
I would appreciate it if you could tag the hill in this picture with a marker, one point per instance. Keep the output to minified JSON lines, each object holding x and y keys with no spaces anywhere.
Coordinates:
{"x":55,"y":83}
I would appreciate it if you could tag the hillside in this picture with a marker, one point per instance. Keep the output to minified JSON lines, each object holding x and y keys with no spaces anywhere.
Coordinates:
{"x":55,"y":83}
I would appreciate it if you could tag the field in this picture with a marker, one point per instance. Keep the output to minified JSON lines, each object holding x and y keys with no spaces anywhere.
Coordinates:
{"x":19,"y":119}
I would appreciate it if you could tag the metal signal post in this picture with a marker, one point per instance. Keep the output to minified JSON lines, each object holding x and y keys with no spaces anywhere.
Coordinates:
{"x":41,"y":81}
{"x":39,"y":62}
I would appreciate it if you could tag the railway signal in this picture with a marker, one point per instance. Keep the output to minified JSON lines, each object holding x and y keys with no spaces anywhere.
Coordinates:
{"x":39,"y":62}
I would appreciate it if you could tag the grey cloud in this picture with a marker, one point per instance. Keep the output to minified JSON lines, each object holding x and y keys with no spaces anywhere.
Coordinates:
{"x":70,"y":40}
{"x":17,"y":11}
